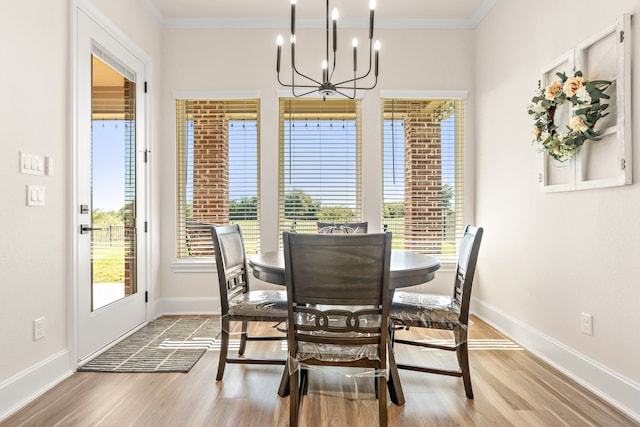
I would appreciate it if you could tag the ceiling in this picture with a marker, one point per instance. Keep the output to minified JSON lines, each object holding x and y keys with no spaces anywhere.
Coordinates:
{"x":311,"y":13}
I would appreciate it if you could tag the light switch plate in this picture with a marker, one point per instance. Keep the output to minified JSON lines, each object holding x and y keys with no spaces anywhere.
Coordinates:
{"x":31,"y":164}
{"x":35,"y":195}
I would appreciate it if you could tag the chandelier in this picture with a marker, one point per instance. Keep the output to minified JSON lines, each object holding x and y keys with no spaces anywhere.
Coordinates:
{"x":326,"y":87}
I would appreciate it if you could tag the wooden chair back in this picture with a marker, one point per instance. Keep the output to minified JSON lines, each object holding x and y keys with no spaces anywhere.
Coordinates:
{"x":338,"y":289}
{"x":344,"y":228}
{"x":231,"y":263}
{"x":466,"y":268}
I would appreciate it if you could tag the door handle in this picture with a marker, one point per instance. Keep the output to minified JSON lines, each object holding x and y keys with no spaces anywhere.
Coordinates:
{"x":85,"y":229}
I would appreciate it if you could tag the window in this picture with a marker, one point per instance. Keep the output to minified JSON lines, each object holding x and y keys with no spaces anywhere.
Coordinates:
{"x":217,"y":172}
{"x":319,"y":163}
{"x":423,"y":178}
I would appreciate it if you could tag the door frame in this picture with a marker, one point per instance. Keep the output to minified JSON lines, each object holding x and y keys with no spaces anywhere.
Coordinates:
{"x":144,"y":253}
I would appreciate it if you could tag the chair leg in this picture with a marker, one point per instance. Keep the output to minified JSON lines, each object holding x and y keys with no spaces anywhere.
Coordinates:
{"x":381,"y":384}
{"x":243,"y":338}
{"x":304,"y":381}
{"x":294,"y":397}
{"x":285,"y":389}
{"x":224,"y":346}
{"x":462,"y":352}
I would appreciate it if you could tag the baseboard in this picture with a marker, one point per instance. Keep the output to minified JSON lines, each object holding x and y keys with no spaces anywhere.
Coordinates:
{"x":619,"y":391}
{"x":174,"y":306}
{"x":19,"y":390}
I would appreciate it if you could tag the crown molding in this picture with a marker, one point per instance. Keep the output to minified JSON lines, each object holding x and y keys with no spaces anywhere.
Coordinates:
{"x":278,"y":23}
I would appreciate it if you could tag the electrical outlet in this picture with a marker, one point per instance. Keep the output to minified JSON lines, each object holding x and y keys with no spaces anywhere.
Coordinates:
{"x":39,"y":328}
{"x":587,"y":324}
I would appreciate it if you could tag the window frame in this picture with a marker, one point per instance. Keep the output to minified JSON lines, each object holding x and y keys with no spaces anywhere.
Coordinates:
{"x":311,"y":113}
{"x":192,"y":264}
{"x":464,"y":165}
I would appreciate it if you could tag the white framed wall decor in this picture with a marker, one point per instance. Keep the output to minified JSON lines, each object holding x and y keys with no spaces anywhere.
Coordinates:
{"x":606,"y":162}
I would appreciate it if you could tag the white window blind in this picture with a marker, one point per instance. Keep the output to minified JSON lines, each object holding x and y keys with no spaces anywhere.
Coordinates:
{"x":217,"y":146}
{"x":320,"y":163}
{"x":423,"y":178}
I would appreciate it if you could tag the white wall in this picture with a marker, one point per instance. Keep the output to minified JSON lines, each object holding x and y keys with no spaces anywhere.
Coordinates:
{"x":33,"y":281}
{"x":547,"y":257}
{"x":35,"y":118}
{"x":242,"y":60}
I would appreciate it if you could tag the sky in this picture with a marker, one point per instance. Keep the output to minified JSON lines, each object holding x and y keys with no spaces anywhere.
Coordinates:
{"x":109,"y":177}
{"x":108,"y":164}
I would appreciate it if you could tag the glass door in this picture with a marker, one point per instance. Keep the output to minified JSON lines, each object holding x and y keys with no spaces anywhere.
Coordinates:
{"x":113,"y":185}
{"x":110,"y":190}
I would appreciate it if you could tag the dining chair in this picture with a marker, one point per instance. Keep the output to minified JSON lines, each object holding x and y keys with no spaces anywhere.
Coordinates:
{"x":198,"y":239}
{"x":338,"y":303}
{"x":444,"y":312}
{"x":344,"y":228}
{"x":239,"y":303}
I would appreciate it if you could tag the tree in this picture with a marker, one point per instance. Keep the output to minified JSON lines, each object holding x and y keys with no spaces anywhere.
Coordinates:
{"x":335,"y":214}
{"x":394,"y":210}
{"x":447,"y":197}
{"x":298,"y":204}
{"x":244,"y":210}
{"x":104,"y":219}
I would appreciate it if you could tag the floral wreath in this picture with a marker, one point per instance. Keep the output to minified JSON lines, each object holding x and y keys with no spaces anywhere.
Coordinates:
{"x":584,"y":97}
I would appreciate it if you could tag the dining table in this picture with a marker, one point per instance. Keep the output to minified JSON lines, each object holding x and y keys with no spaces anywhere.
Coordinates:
{"x":407,"y":268}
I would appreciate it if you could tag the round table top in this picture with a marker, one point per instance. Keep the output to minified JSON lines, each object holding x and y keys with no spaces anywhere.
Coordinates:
{"x":407,"y":268}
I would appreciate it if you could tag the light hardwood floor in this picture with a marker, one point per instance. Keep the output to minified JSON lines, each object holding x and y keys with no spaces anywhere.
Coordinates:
{"x":511,"y":387}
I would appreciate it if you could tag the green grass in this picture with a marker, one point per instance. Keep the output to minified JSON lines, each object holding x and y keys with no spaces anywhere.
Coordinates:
{"x":108,"y":265}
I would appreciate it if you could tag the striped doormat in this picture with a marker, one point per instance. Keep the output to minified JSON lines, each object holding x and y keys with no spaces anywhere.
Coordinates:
{"x":167,"y":344}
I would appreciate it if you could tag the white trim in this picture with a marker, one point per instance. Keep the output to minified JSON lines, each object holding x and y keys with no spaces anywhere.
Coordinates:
{"x":616,"y":389}
{"x":194,"y":265}
{"x":21,"y":389}
{"x":186,"y":306}
{"x":424,"y":94}
{"x":216,"y":94}
{"x":253,"y":22}
{"x":153,"y":10}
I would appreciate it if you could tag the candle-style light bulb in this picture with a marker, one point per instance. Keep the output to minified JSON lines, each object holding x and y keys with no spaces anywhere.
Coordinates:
{"x":324,"y":71}
{"x":293,"y":16}
{"x":372,"y":7}
{"x":355,"y":54}
{"x":334,"y":17}
{"x":279,"y":42}
{"x":293,"y":49}
{"x":376,"y":47}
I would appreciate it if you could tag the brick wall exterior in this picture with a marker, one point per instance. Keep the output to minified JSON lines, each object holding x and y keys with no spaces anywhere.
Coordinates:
{"x":423,"y":183}
{"x":210,"y":171}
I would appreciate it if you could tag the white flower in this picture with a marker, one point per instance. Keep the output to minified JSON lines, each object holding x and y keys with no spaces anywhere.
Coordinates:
{"x":577,"y":124}
{"x":583,"y":96}
{"x":537,"y":108}
{"x":544,"y":135}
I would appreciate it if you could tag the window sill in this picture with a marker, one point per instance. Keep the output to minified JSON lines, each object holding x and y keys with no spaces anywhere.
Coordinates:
{"x":194,"y":266}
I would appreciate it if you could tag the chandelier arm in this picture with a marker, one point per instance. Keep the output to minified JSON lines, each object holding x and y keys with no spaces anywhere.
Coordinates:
{"x":355,"y":79}
{"x":315,"y":88}
{"x":294,"y":69}
{"x":293,"y":83}
{"x":293,"y":91}
{"x":345,"y":95}
{"x":333,"y":68}
{"x":359,"y":88}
